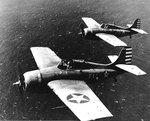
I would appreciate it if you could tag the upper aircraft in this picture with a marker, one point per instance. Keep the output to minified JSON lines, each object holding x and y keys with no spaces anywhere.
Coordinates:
{"x":69,"y":78}
{"x":110,"y":32}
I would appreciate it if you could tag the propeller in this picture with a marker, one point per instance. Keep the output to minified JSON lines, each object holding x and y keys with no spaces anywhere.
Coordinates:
{"x":21,"y":79}
{"x":82,"y":30}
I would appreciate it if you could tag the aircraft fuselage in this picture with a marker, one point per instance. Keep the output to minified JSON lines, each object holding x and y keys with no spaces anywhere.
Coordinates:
{"x":53,"y":73}
{"x":116,"y":32}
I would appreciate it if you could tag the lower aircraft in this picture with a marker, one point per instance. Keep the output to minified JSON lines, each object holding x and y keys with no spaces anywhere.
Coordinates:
{"x":69,"y":78}
{"x":109,"y":32}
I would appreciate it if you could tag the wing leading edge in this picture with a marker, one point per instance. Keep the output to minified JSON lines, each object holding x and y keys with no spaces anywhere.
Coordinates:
{"x":80,"y":99}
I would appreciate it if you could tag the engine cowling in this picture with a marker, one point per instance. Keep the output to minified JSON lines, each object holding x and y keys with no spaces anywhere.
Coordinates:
{"x":32,"y":78}
{"x":87,"y":31}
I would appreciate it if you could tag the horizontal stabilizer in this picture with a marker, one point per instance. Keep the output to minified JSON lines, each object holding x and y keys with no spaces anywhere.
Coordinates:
{"x":112,"y":58}
{"x":139,"y":31}
{"x":131,"y":68}
{"x":129,"y":25}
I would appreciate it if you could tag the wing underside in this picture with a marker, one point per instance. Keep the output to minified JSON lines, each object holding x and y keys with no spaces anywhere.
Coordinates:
{"x":44,"y":57}
{"x":111,"y":39}
{"x":80,"y":99}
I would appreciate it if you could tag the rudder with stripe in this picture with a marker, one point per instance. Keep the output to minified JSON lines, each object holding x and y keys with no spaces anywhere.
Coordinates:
{"x":136,"y":24}
{"x":125,"y":56}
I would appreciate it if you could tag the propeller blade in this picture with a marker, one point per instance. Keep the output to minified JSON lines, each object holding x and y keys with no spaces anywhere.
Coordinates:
{"x":82,"y":29}
{"x":20,"y":73}
{"x":21,"y":79}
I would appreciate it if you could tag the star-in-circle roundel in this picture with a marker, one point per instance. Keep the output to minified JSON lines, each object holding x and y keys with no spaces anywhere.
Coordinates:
{"x":78,"y":98}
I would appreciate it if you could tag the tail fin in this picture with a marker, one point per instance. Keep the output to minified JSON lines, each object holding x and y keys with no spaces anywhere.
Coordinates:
{"x":136,"y":24}
{"x":125,"y":56}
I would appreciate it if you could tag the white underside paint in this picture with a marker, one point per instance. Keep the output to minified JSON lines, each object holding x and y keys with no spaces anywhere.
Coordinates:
{"x":91,"y":109}
{"x":44,"y":57}
{"x":111,"y":39}
{"x":132,"y":69}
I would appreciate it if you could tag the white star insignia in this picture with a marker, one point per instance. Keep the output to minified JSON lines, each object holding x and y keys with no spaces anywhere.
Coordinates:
{"x":78,"y":98}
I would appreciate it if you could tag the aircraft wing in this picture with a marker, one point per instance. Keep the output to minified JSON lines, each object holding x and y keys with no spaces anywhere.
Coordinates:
{"x":80,"y":99}
{"x":44,"y":57}
{"x":131,"y":68}
{"x":111,"y":39}
{"x":91,"y":23}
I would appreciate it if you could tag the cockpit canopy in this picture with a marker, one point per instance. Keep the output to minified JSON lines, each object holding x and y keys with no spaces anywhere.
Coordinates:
{"x":105,"y":26}
{"x":73,"y":64}
{"x":109,"y":26}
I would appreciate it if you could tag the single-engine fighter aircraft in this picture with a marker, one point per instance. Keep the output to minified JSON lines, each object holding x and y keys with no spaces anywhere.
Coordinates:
{"x":65,"y":79}
{"x":109,"y":32}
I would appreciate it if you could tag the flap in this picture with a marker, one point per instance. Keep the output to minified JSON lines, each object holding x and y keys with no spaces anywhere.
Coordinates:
{"x":80,"y":99}
{"x":131,"y":68}
{"x":91,"y":23}
{"x":44,"y":57}
{"x":111,"y":39}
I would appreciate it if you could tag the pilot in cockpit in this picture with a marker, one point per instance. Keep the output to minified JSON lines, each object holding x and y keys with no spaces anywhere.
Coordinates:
{"x":64,"y":64}
{"x":104,"y":25}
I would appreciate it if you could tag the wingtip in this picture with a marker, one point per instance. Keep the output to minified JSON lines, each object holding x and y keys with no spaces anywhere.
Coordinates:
{"x":145,"y":32}
{"x":122,"y":44}
{"x":142,"y":73}
{"x":85,"y":18}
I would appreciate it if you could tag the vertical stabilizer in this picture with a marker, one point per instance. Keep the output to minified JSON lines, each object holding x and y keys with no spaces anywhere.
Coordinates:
{"x":125,"y":56}
{"x":124,"y":62}
{"x":136,"y":24}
